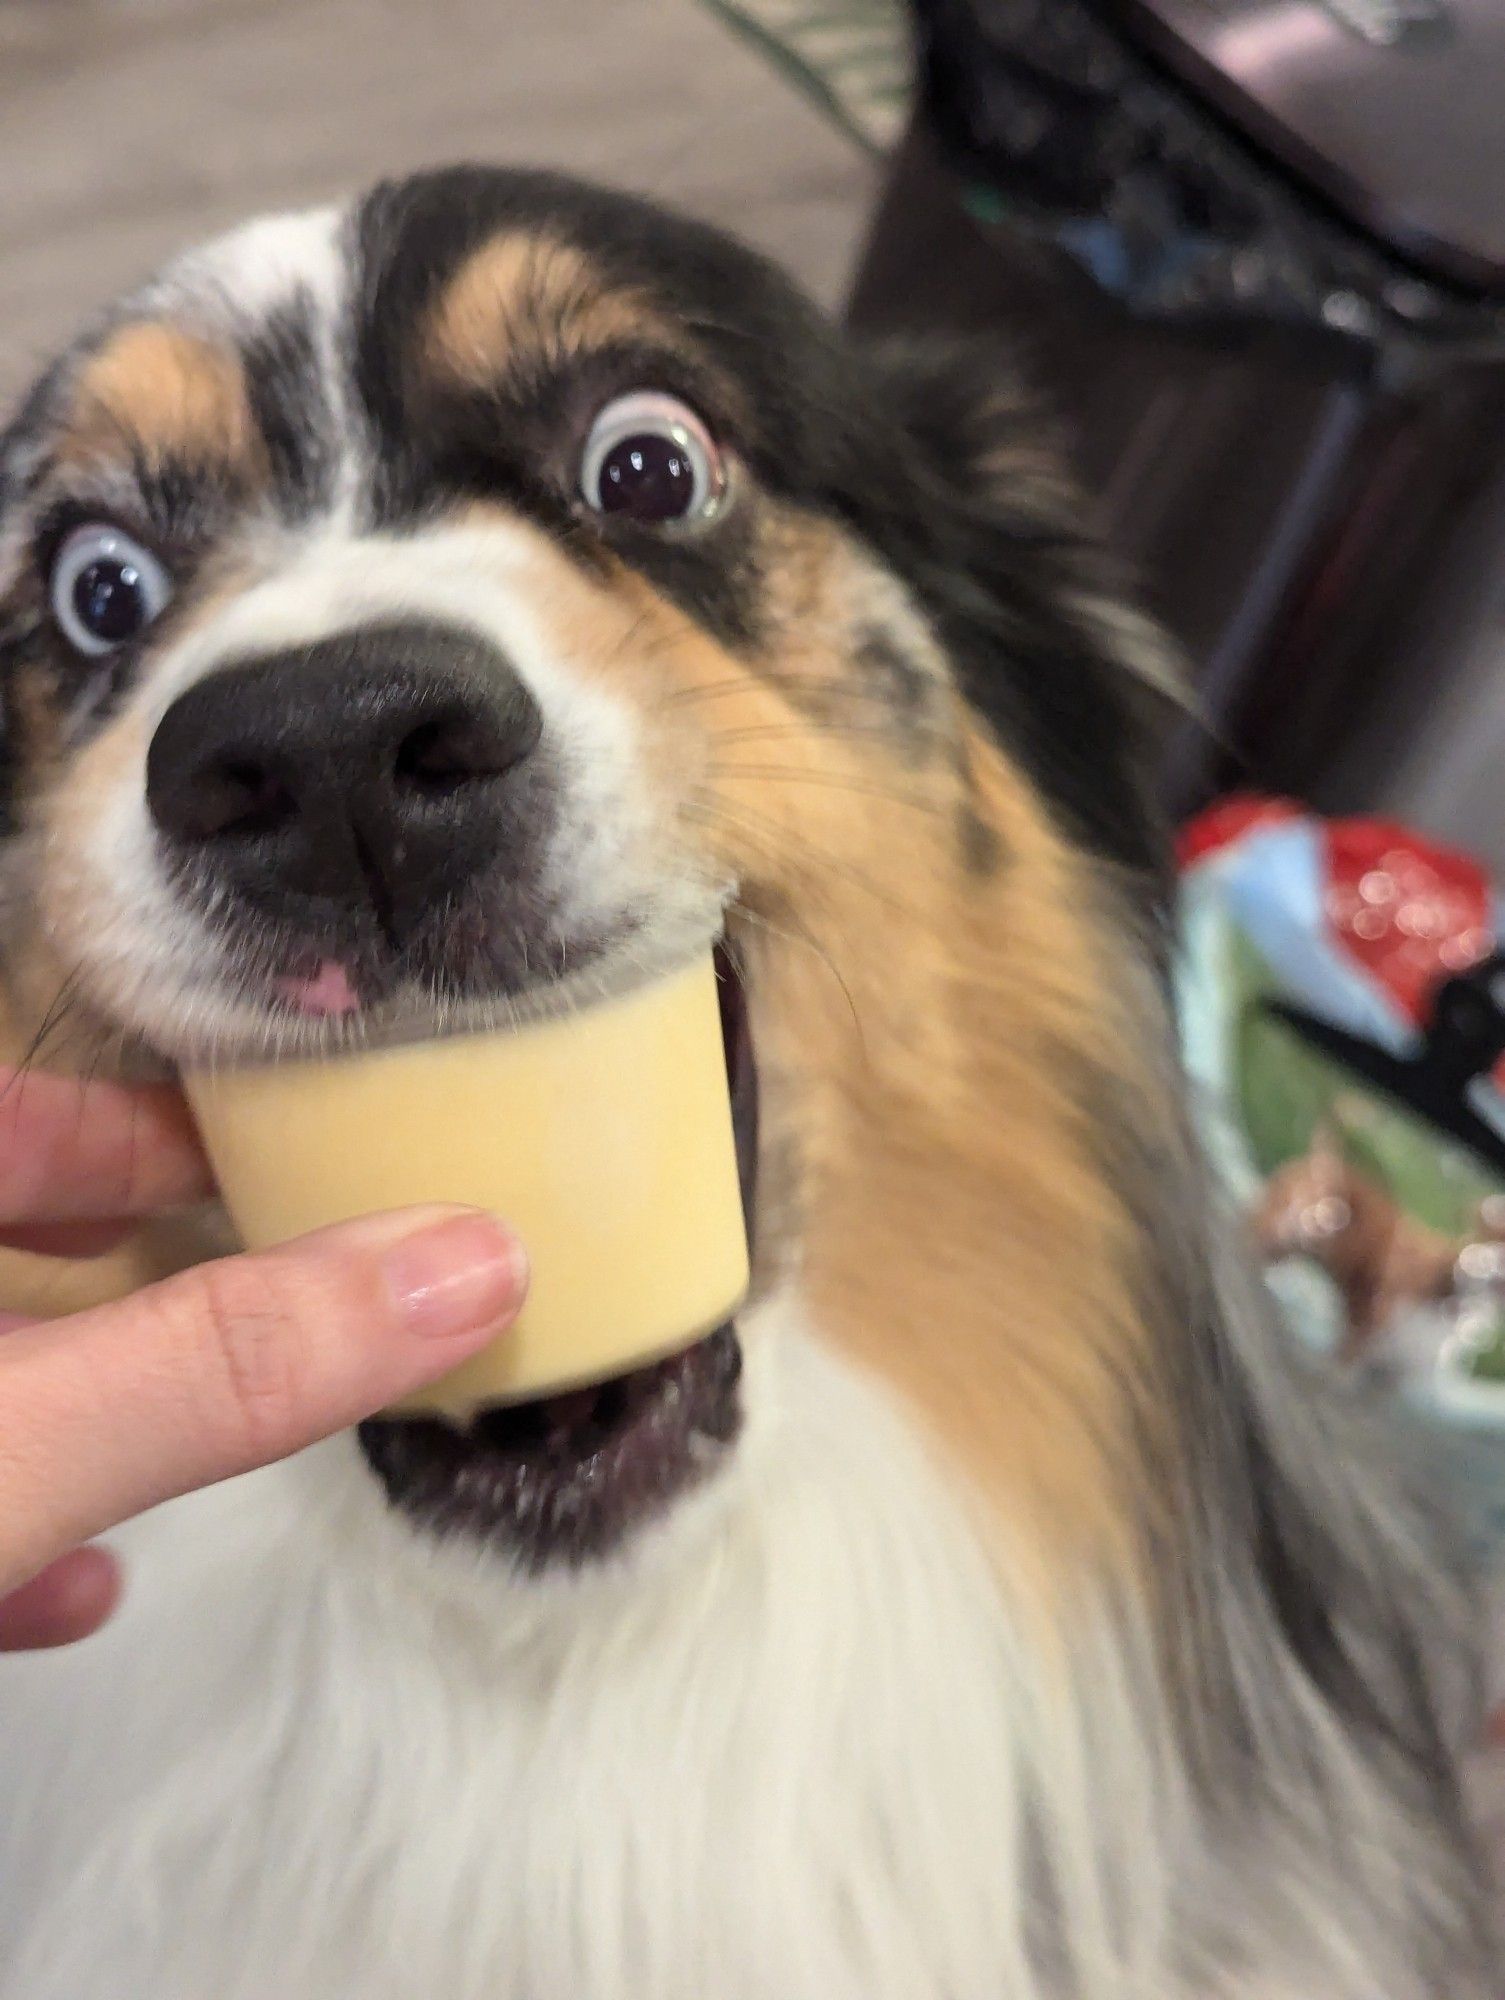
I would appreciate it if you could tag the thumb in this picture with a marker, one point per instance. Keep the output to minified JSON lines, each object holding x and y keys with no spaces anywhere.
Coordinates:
{"x":234,"y":1364}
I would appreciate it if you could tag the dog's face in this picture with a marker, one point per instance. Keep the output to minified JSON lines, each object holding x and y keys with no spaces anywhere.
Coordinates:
{"x":409,"y":605}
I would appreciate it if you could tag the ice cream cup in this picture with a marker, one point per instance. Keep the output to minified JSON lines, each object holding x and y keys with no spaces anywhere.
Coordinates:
{"x":602,"y":1135}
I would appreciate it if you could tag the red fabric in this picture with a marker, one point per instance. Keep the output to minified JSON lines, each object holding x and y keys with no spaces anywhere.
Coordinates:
{"x":1228,"y":821}
{"x":1407,"y":912}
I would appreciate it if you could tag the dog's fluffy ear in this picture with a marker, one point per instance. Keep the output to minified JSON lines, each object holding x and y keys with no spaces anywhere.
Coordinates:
{"x":1002,"y":451}
{"x":978,"y":510}
{"x":979,"y":427}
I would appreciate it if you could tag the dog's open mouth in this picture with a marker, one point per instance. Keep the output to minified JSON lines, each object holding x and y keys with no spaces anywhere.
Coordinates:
{"x":566,"y":1478}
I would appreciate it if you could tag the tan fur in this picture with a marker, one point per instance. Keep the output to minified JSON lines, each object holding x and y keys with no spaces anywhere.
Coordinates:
{"x":67,"y":817}
{"x":928,"y":1036}
{"x":155,"y":388}
{"x":936,"y":1094}
{"x":522,"y":294}
{"x":41,"y":955}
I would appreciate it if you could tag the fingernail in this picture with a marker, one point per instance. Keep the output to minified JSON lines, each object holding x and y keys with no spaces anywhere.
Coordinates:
{"x":457,"y":1276}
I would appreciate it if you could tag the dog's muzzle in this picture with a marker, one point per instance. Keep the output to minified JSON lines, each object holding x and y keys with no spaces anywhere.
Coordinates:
{"x":345,"y":789}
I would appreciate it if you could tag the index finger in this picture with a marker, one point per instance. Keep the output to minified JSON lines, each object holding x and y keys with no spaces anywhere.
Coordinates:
{"x":71,"y":1150}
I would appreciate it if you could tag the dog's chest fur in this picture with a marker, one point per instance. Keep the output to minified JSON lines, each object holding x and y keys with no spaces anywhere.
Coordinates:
{"x":306,"y":1765}
{"x":822,"y":1758}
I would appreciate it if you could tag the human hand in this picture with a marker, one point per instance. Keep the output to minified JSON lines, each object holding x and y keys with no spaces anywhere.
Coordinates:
{"x":226,"y":1367}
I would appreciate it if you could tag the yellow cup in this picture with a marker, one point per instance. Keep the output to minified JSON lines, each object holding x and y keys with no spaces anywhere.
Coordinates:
{"x":604,"y":1137}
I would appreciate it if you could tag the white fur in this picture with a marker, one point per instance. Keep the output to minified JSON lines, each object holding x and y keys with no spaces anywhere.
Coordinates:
{"x":260,"y":265}
{"x":794,"y":1746}
{"x":805,"y":1740}
{"x":243,"y":277}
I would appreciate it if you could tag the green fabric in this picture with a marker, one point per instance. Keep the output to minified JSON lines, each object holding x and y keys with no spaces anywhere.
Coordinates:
{"x":852,"y":57}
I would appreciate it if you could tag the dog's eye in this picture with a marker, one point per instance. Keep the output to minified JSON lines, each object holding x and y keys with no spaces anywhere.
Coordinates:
{"x":651,"y":458}
{"x":105,"y":588}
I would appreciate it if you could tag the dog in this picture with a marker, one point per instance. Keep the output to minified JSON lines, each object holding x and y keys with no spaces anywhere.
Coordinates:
{"x":414,"y":602}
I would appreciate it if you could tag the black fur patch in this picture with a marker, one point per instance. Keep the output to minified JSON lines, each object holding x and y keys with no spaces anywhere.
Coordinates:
{"x":24,"y":434}
{"x":888,"y":669}
{"x":998,"y":585}
{"x":187,"y":501}
{"x":521,"y":443}
{"x":289,"y":408}
{"x":12,"y":652}
{"x":981,"y":845}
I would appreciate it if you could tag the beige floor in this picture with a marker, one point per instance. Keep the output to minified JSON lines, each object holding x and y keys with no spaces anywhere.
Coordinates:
{"x":128,"y":127}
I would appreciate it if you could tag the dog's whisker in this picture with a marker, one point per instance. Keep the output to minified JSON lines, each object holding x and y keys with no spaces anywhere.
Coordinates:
{"x":56,"y":1014}
{"x":783,"y":845}
{"x":798,"y":935}
{"x":884,"y":732}
{"x":791,"y":686}
{"x":831,"y":781}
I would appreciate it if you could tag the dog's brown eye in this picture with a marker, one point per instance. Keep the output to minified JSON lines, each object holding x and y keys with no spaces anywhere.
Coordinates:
{"x":105,"y":588}
{"x":650,"y":457}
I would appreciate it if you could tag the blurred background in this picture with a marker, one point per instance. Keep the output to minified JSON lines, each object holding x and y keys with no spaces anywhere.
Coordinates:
{"x":128,"y":127}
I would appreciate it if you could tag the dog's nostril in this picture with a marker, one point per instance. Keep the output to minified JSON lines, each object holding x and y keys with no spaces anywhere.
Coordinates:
{"x":259,"y":800}
{"x":232,"y":796}
{"x":445,"y":753}
{"x":465,"y":741}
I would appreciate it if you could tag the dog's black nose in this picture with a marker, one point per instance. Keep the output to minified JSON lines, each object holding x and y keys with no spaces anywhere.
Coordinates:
{"x":363,"y":776}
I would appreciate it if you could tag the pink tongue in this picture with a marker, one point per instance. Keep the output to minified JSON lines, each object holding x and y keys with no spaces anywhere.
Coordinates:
{"x":328,"y":992}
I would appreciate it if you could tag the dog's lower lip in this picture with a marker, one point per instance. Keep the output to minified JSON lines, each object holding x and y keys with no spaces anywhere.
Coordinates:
{"x":565,"y":1479}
